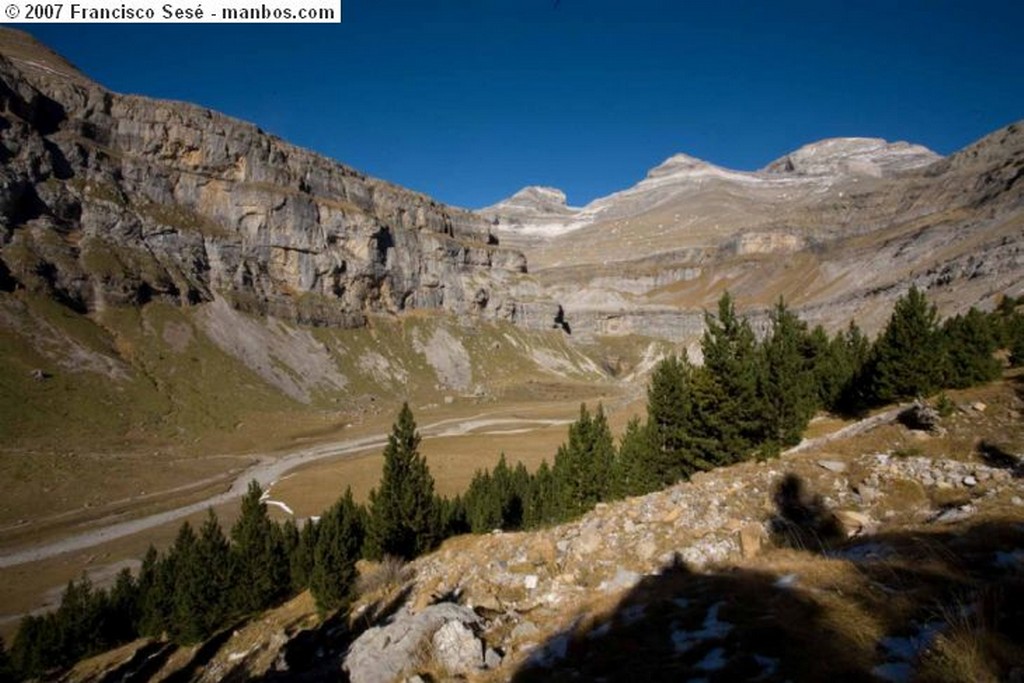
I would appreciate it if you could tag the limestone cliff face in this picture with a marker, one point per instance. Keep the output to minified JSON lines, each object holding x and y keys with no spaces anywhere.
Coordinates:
{"x":112,"y":199}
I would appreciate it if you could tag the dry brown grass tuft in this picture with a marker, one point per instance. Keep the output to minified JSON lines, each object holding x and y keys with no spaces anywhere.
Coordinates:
{"x":381,"y":578}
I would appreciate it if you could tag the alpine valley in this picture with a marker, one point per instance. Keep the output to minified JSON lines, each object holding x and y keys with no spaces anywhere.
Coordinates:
{"x":188,"y":303}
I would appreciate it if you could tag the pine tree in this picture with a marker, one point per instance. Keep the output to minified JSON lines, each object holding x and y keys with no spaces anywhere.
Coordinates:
{"x":260,"y":570}
{"x":214,"y":559}
{"x":731,"y":362}
{"x":853,"y":351}
{"x":122,"y":621}
{"x":187,"y":607}
{"x":632,"y":475}
{"x":670,"y":408}
{"x":339,"y":542}
{"x":786,"y":384}
{"x":303,"y":557}
{"x":583,"y":465}
{"x":403,"y":515}
{"x":906,"y":360}
{"x":156,"y":593}
{"x":36,"y":648}
{"x":542,"y":503}
{"x":483,"y":508}
{"x":970,"y":344}
{"x":454,"y":519}
{"x":6,"y":666}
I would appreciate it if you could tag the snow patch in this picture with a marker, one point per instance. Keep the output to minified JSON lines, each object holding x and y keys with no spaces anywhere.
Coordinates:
{"x":711,"y":629}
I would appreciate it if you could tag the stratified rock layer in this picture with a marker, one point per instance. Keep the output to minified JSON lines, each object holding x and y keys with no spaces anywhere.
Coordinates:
{"x":108,"y":199}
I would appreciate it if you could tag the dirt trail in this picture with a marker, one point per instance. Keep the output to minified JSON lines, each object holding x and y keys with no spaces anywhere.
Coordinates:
{"x":268,"y":470}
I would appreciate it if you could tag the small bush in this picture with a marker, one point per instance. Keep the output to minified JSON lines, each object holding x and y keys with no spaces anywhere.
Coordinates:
{"x":944,"y":405}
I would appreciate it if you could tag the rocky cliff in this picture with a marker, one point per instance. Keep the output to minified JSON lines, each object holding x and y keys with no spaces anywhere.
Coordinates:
{"x":107,"y":199}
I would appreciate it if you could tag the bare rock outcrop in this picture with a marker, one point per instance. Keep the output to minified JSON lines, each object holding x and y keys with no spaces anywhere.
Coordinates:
{"x":108,"y":199}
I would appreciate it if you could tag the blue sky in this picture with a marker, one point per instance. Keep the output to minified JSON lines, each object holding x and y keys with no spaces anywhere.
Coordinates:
{"x":469,"y":100}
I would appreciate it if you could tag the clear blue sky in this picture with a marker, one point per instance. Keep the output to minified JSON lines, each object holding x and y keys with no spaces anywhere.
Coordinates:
{"x":469,"y":100}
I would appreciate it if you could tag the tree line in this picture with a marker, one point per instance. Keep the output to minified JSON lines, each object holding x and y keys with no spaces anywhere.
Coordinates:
{"x":749,"y":399}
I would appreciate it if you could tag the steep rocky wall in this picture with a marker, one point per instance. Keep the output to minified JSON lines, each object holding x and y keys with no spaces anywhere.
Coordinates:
{"x":117,"y":200}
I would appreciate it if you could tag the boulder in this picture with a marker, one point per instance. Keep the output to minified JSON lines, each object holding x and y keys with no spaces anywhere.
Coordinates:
{"x":456,"y":649}
{"x":385,"y":653}
{"x":920,"y":417}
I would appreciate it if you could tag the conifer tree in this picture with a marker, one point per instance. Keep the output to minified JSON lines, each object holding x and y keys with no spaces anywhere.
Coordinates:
{"x":214,"y":560}
{"x":122,"y":623}
{"x":483,"y":508}
{"x":188,"y":608}
{"x":339,"y":542}
{"x":670,"y":408}
{"x":6,"y":666}
{"x":156,"y":594}
{"x":632,"y":475}
{"x":970,"y":342}
{"x":852,"y":351}
{"x":36,"y":648}
{"x":260,"y":570}
{"x":733,"y":419}
{"x":786,"y":384}
{"x":542,"y":503}
{"x":583,"y":465}
{"x":906,"y":360}
{"x":402,"y":513}
{"x":303,"y":557}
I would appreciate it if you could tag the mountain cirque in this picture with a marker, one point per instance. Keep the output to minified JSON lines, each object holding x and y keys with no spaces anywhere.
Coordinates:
{"x":108,"y":199}
{"x":839,"y":227}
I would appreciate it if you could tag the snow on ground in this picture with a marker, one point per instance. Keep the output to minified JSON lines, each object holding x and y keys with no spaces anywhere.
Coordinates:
{"x":902,"y":651}
{"x":711,"y":629}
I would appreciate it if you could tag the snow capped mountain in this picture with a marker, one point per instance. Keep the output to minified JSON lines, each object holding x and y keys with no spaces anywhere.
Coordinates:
{"x":815,"y":168}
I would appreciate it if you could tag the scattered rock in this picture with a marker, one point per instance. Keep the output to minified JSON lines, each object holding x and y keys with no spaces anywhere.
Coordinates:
{"x":979,"y":406}
{"x":969,"y":481}
{"x":921,"y":417}
{"x":856,"y":523}
{"x":457,"y":649}
{"x":587,"y":543}
{"x":492,"y":659}
{"x":833,"y":466}
{"x":623,"y":579}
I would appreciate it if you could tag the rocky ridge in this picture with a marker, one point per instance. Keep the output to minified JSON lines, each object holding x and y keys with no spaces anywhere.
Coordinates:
{"x":110,"y":199}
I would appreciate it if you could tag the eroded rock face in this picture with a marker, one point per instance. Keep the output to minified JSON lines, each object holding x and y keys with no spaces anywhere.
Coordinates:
{"x":110,"y":200}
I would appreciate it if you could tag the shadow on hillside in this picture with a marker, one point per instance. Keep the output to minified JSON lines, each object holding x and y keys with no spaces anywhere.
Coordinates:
{"x":203,"y":655}
{"x":316,"y":654}
{"x":143,"y":664}
{"x":817,"y":612}
{"x":996,"y":456}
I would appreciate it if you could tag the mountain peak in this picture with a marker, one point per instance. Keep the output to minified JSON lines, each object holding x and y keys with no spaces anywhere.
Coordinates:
{"x":679,"y":164}
{"x":530,"y":202}
{"x":853,"y":156}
